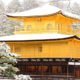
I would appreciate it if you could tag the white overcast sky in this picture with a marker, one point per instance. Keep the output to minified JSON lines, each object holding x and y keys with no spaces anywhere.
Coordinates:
{"x":8,"y":1}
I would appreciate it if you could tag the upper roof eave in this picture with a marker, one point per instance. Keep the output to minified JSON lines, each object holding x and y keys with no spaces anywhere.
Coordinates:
{"x":45,"y":10}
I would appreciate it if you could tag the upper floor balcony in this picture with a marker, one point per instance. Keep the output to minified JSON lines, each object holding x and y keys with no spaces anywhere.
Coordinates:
{"x":45,"y":19}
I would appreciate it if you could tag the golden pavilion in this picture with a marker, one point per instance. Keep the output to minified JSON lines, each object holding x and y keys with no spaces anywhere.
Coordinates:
{"x":47,"y":42}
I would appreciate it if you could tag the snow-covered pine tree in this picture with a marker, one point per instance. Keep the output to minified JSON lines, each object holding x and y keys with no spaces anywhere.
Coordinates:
{"x":3,"y":18}
{"x":60,"y":4}
{"x":8,"y":61}
{"x":67,"y":5}
{"x":14,"y":6}
{"x":75,"y":8}
{"x":7,"y":26}
{"x":30,"y":4}
{"x":2,"y":7}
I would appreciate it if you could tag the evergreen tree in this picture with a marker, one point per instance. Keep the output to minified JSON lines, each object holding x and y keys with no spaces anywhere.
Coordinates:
{"x":75,"y":8}
{"x":2,"y":7}
{"x":60,"y":4}
{"x":8,"y":61}
{"x":14,"y":6}
{"x":7,"y":26}
{"x":29,"y":4}
{"x":67,"y":5}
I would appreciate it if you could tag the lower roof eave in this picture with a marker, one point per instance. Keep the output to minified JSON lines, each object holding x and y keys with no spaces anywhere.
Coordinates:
{"x":36,"y":37}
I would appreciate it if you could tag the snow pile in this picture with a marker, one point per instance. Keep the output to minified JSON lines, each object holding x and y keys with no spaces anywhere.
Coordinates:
{"x":23,"y":77}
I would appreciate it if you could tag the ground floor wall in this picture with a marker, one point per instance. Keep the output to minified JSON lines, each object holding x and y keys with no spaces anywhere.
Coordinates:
{"x":37,"y":57}
{"x":66,"y":48}
{"x":44,"y":67}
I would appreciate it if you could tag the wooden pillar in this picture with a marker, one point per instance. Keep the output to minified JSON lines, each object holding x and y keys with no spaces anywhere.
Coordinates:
{"x":67,"y":72}
{"x":74,"y":70}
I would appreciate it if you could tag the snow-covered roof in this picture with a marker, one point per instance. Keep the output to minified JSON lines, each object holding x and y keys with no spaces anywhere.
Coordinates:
{"x":43,"y":11}
{"x":40,"y":11}
{"x":30,"y":37}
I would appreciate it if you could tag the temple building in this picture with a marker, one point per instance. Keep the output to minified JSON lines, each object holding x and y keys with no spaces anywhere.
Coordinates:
{"x":48,"y":43}
{"x":45,"y":19}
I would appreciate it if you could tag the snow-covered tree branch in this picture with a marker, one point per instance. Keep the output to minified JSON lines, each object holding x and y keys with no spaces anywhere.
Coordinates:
{"x":75,"y":8}
{"x":29,"y":4}
{"x":67,"y":5}
{"x":14,"y":6}
{"x":2,"y":7}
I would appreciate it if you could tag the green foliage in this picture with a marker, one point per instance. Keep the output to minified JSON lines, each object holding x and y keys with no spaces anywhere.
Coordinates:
{"x":8,"y":61}
{"x":10,"y":71}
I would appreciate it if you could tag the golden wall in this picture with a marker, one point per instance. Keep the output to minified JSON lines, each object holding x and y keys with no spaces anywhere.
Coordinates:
{"x":56,"y":23}
{"x":69,"y":48}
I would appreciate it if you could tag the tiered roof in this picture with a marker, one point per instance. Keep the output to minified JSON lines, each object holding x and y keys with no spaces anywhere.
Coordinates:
{"x":43,"y":11}
{"x":40,"y":11}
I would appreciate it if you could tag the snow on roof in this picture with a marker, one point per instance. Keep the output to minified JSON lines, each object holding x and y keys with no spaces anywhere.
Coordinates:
{"x":34,"y":37}
{"x":43,"y":11}
{"x":40,"y":11}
